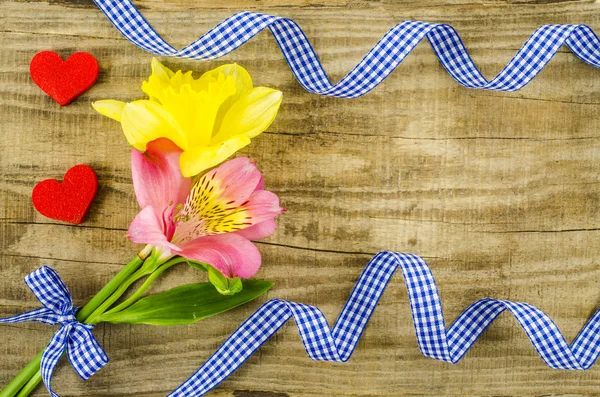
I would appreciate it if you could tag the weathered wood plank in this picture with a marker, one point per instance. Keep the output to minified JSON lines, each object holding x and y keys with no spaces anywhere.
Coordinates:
{"x":497,"y":191}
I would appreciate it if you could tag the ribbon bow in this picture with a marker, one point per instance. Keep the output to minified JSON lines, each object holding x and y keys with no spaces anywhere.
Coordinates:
{"x":85,"y":353}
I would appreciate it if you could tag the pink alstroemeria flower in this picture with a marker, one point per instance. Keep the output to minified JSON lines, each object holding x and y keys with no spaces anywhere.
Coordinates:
{"x":211,"y":220}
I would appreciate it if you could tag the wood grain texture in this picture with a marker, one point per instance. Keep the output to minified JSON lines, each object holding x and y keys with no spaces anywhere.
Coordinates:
{"x":500,"y":193}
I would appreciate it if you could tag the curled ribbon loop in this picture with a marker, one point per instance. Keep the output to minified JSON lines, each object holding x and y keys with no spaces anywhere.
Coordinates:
{"x":435,"y":340}
{"x":383,"y":58}
{"x":83,"y":350}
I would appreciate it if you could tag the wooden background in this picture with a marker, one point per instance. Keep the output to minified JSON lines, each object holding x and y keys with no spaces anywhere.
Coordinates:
{"x":499,"y":192}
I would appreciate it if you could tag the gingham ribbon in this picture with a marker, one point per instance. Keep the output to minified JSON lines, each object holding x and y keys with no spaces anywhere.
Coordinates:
{"x":387,"y":54}
{"x":84,"y":352}
{"x":435,"y":341}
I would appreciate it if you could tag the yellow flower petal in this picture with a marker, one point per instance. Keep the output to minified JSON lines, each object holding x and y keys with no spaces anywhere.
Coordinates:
{"x":158,"y":82}
{"x":243,"y":85}
{"x":195,"y":112}
{"x":251,"y":114}
{"x":109,"y":108}
{"x":243,"y":81}
{"x":181,"y":79}
{"x":160,"y":70}
{"x":145,"y":121}
{"x":194,"y":161}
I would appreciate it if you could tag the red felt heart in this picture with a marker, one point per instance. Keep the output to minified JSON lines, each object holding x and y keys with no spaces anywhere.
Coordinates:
{"x":64,"y":81}
{"x":68,"y":201}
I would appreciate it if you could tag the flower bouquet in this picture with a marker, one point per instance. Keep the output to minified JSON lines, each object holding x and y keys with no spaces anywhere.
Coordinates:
{"x":196,"y":209}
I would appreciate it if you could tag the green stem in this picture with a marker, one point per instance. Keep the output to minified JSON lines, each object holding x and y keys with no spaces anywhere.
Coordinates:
{"x":30,"y":375}
{"x":144,"y":287}
{"x":93,"y":318}
{"x":97,"y":314}
{"x":31,"y":385}
{"x":23,"y":377}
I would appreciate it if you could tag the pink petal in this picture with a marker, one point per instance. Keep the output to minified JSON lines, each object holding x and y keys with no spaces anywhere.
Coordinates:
{"x":157,"y":179}
{"x":261,"y":184}
{"x":262,"y":206}
{"x":231,"y":254}
{"x":236,"y":179}
{"x":258,"y":231}
{"x":147,"y":228}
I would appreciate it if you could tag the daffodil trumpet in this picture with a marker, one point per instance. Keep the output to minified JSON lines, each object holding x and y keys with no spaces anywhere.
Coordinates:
{"x":209,"y":118}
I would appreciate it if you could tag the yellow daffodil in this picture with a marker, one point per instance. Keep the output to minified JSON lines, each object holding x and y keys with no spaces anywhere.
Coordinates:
{"x":209,"y":118}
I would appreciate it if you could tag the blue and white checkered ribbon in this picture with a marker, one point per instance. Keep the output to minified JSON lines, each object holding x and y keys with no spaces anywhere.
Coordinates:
{"x":387,"y":54}
{"x":337,"y":344}
{"x":85,"y":353}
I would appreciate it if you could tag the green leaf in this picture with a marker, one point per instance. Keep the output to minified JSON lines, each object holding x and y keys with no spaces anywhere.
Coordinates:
{"x":225,"y":286}
{"x":186,"y":304}
{"x":235,"y":285}
{"x":217,"y":279}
